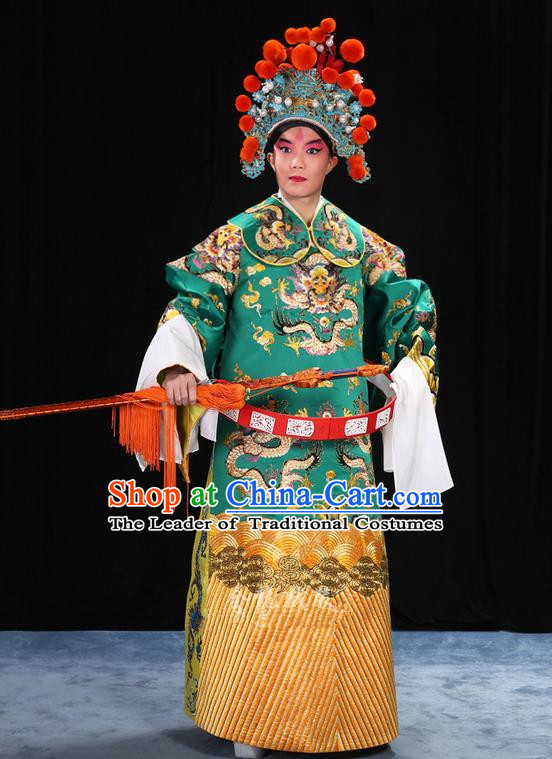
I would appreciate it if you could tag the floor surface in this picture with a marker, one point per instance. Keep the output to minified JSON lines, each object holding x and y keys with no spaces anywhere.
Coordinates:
{"x":118,"y":695}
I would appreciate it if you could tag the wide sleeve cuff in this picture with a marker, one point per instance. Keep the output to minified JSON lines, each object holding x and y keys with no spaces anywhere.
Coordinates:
{"x":176,"y":344}
{"x":412,"y":445}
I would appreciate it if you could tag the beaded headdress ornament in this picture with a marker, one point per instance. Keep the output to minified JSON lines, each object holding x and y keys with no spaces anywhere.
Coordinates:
{"x":305,"y":79}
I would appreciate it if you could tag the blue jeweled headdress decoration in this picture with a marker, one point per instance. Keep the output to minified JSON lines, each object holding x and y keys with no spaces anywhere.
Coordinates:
{"x":306,"y":81}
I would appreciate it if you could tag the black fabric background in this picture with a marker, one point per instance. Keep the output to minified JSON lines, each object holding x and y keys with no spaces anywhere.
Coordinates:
{"x":121,"y":152}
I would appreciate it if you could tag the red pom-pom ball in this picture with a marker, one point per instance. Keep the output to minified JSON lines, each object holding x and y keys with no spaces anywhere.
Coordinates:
{"x":251,"y":83}
{"x":317,"y":35}
{"x":355,"y":160}
{"x":303,"y":57}
{"x":249,"y":148}
{"x":243,"y":103}
{"x":346,"y":80}
{"x":265,"y":69}
{"x":359,"y":135}
{"x":303,"y":34}
{"x":274,"y":51}
{"x":366,"y":98}
{"x":352,"y":50}
{"x":246,"y":123}
{"x":328,"y":25}
{"x":368,"y":122}
{"x":357,"y":172}
{"x":290,"y":36}
{"x":329,"y":75}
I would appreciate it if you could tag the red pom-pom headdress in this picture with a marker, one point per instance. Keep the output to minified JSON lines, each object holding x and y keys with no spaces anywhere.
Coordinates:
{"x":306,"y":78}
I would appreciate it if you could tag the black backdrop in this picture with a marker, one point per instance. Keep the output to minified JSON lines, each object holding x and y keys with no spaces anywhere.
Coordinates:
{"x":121,"y":152}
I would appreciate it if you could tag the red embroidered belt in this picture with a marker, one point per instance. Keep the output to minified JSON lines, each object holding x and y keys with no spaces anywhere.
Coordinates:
{"x":312,"y":427}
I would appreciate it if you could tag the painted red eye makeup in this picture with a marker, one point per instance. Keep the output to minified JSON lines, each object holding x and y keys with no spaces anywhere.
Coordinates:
{"x":282,"y":142}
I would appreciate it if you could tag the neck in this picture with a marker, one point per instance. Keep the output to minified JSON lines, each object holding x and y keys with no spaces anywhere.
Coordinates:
{"x":305,"y":207}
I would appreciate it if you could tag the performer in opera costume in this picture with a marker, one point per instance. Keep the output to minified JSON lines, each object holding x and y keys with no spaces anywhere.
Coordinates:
{"x":288,"y":635}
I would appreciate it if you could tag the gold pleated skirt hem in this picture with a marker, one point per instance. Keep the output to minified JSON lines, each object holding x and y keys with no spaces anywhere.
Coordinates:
{"x":296,"y":670}
{"x":299,"y":747}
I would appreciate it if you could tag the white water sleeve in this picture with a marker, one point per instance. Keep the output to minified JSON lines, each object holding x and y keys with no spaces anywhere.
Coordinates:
{"x":176,"y":343}
{"x":412,"y":445}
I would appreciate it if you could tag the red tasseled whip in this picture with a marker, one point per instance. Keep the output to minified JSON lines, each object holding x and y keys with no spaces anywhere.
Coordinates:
{"x":140,"y":418}
{"x":140,"y":412}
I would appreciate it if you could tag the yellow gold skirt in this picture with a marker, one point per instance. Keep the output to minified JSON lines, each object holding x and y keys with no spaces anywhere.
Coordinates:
{"x":288,"y":638}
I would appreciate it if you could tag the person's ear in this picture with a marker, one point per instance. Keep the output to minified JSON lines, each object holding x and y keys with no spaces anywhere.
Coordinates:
{"x":333,"y":162}
{"x":270,"y":157}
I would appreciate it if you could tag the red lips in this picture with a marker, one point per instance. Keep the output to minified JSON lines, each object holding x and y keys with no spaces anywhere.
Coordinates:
{"x":297,"y":178}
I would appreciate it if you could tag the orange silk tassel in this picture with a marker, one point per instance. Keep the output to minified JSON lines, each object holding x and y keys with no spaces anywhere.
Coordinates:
{"x":140,"y":421}
{"x":140,"y":429}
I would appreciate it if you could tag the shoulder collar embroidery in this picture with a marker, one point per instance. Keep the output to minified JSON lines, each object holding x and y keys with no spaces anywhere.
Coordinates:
{"x":274,"y":233}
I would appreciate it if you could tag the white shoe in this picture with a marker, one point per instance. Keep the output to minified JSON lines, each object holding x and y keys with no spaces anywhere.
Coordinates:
{"x":245,"y":751}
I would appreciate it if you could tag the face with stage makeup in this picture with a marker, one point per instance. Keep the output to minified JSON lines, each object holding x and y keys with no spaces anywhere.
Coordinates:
{"x":301,"y":160}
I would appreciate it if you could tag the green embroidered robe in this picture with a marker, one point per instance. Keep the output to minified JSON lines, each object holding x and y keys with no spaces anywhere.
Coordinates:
{"x":268,"y":294}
